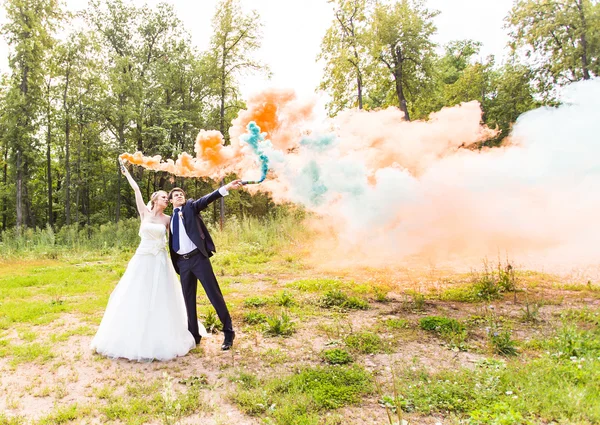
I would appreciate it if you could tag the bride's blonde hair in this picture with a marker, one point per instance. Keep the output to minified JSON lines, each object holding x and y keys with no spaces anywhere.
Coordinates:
{"x":150,"y":204}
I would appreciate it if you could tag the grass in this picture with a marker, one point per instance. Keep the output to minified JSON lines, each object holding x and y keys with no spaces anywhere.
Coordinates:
{"x":451,"y":330}
{"x":487,"y":285}
{"x":366,"y":343}
{"x":335,"y":298}
{"x":559,"y":384}
{"x":51,"y":303}
{"x":301,"y":397}
{"x":31,"y":352}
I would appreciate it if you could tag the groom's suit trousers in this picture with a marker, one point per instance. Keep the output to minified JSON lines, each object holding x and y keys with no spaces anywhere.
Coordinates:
{"x":196,"y":268}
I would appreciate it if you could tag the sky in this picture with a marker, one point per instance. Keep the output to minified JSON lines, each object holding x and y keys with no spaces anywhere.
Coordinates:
{"x":293,"y":30}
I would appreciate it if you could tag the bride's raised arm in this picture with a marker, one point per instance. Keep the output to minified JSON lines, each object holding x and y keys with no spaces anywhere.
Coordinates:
{"x":139,"y":201}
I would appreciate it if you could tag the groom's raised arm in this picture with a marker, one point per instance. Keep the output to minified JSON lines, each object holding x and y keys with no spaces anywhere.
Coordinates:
{"x":206,"y":200}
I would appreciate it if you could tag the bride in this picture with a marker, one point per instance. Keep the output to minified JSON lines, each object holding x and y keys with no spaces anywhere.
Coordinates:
{"x":145,"y":317}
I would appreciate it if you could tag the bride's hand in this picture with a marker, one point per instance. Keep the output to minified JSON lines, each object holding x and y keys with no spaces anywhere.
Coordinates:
{"x":122,"y":166}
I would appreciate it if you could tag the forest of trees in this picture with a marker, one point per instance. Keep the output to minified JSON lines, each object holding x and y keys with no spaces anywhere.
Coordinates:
{"x":85,"y":87}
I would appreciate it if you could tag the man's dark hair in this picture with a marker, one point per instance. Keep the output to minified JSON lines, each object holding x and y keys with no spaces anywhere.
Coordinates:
{"x":175,"y":189}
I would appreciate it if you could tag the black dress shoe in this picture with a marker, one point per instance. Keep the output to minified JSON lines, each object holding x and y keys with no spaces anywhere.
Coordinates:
{"x":228,"y":342}
{"x":198,"y":340}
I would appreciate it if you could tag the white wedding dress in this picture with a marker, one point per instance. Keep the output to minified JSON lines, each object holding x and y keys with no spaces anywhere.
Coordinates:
{"x":145,"y":318}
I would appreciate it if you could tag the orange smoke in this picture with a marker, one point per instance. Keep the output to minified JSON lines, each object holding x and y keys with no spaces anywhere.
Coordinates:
{"x":277,"y":112}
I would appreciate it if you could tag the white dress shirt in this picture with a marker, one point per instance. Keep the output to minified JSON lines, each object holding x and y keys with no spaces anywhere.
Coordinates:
{"x":185,"y":243}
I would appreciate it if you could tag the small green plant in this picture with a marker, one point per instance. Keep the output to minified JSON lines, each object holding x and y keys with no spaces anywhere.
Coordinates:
{"x":171,"y":412}
{"x":356,"y":303}
{"x":490,"y":284}
{"x":212,"y":322}
{"x":195,"y":381}
{"x":279,"y":325}
{"x":451,"y":330}
{"x":254,"y":318}
{"x":336,"y":356}
{"x":501,"y":341}
{"x":254,"y":302}
{"x":380,"y":295}
{"x":396,"y":323}
{"x":246,"y":380}
{"x":336,"y":298}
{"x":531,"y":312}
{"x":285,"y":299}
{"x":333,"y":298}
{"x":365,"y":342}
{"x":440,"y":324}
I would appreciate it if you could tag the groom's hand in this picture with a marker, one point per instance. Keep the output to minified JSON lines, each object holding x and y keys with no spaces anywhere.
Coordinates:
{"x":233,"y":185}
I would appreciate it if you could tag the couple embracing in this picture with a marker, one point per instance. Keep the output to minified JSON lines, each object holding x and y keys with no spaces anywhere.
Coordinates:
{"x":150,"y":314}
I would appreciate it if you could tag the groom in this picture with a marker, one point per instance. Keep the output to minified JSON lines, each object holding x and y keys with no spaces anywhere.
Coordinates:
{"x":191,"y":247}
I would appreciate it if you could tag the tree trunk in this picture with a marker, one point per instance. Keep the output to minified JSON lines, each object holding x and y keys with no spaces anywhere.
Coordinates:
{"x":49,"y":167}
{"x":359,"y":82}
{"x":398,"y":60}
{"x":67,"y":171}
{"x":5,"y":182}
{"x":19,"y":189}
{"x":583,"y":41}
{"x":67,"y":145}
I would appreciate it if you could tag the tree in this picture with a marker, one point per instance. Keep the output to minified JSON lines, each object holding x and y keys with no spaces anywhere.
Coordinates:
{"x":510,"y":94}
{"x":562,"y":37}
{"x":235,"y":36}
{"x":28,"y":32}
{"x":345,"y":51}
{"x":402,"y":43}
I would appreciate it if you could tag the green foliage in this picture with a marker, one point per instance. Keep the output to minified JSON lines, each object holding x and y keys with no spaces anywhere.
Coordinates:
{"x":449,"y":329}
{"x":403,"y":49}
{"x":551,"y":387}
{"x":416,"y":302}
{"x":284,"y":299}
{"x":336,"y":356}
{"x":337,"y":298}
{"x":254,"y":317}
{"x":344,"y":49}
{"x":502,"y":342}
{"x":255,"y":302}
{"x":563,"y":36}
{"x":11,"y":420}
{"x":212,"y":322}
{"x":487,"y":285}
{"x":366,"y":343}
{"x":396,"y":323}
{"x":380,"y":295}
{"x":279,"y":325}
{"x":571,"y":342}
{"x":61,"y":416}
{"x":440,"y":325}
{"x":317,"y":285}
{"x":299,"y":398}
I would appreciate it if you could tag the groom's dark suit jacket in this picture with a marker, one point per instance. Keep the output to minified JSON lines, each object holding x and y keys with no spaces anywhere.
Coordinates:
{"x":195,"y":227}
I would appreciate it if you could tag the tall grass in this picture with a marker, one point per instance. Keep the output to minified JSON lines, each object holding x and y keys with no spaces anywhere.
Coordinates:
{"x":250,"y":235}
